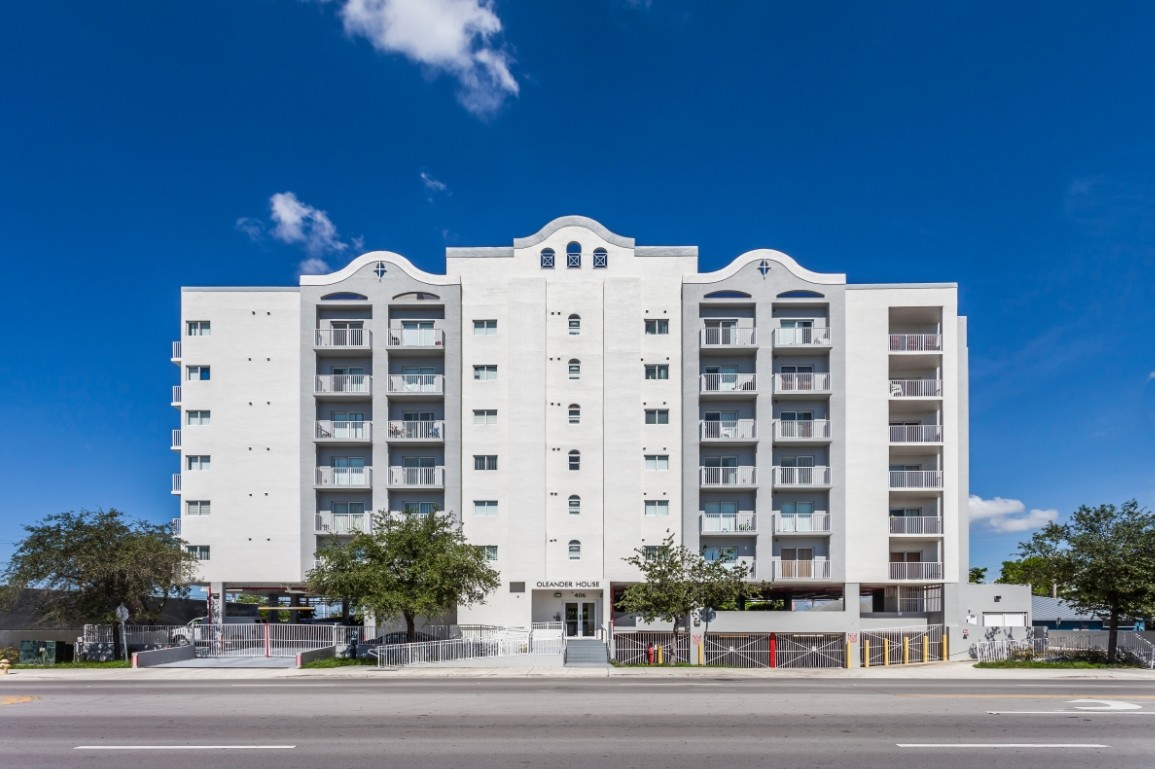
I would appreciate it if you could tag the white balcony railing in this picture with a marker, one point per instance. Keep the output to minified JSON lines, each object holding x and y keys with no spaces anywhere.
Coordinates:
{"x":428,"y":477}
{"x":176,"y":395}
{"x":801,"y":430}
{"x":916,"y":479}
{"x":728,"y":337}
{"x":915,"y":524}
{"x":176,"y":483}
{"x":401,"y":384}
{"x":176,"y":350}
{"x":801,"y":476}
{"x":176,"y":439}
{"x":328,"y":522}
{"x":916,"y":388}
{"x":916,"y":433}
{"x":729,"y":476}
{"x":723,"y":383}
{"x":733,"y":562}
{"x":802,"y":337}
{"x":175,"y":523}
{"x":349,"y":477}
{"x":348,"y":338}
{"x":417,"y":431}
{"x":801,"y":523}
{"x":915,"y":342}
{"x":405,"y":336}
{"x":728,"y":430}
{"x":802,"y":383}
{"x":815,"y":569}
{"x":349,"y":384}
{"x":925,"y":570}
{"x":741,"y":522}
{"x":343,"y":430}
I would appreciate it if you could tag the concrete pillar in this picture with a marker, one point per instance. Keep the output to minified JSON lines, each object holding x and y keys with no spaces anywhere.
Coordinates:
{"x":216,"y":608}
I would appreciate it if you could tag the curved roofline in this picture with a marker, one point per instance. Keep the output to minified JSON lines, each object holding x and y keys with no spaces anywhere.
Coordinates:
{"x":372,"y":257}
{"x":593,"y":225}
{"x":769,"y":254}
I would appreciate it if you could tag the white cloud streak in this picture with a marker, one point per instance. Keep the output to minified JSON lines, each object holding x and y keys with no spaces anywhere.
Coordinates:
{"x":432,"y":184}
{"x":1007,"y":516}
{"x":453,"y":37}
{"x":296,"y":223}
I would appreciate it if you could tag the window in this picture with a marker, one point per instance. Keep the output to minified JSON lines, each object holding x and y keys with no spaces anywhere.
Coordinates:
{"x":485,"y":416}
{"x":660,"y":326}
{"x":419,"y":508}
{"x":657,"y":461}
{"x":575,"y":414}
{"x":347,"y":508}
{"x":575,"y":325}
{"x":485,"y":508}
{"x":197,"y":507}
{"x":199,"y":552}
{"x":199,"y":417}
{"x":489,"y":551}
{"x":601,"y":259}
{"x":547,"y":258}
{"x":657,"y":371}
{"x":198,"y":462}
{"x":573,"y":256}
{"x":199,"y":328}
{"x":484,"y":461}
{"x":575,"y":504}
{"x":575,"y":369}
{"x":1004,"y":619}
{"x":575,"y":550}
{"x":657,"y":507}
{"x":657,"y":416}
{"x":485,"y":328}
{"x":650,"y":552}
{"x":575,"y":460}
{"x":485,"y":373}
{"x":202,"y":373}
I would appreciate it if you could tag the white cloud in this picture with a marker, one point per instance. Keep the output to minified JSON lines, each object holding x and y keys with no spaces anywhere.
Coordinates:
{"x":297,"y":223}
{"x":1005,"y":516}
{"x":432,"y":184}
{"x":1151,"y":376}
{"x":251,"y":227}
{"x":455,"y":37}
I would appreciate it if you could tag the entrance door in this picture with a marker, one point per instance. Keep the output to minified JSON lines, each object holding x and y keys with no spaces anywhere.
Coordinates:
{"x":581,"y":619}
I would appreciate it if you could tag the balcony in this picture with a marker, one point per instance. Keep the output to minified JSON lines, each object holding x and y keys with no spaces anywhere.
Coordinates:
{"x":175,"y":440}
{"x":340,"y":523}
{"x":735,"y":562}
{"x":417,"y":477}
{"x":352,"y":385}
{"x":801,"y":477}
{"x":916,"y":433}
{"x":805,"y":338}
{"x":176,"y":356}
{"x":176,"y":483}
{"x":342,"y":339}
{"x":815,"y":569}
{"x":802,"y":523}
{"x":916,"y":342}
{"x":344,"y":477}
{"x":417,"y":432}
{"x":176,"y":395}
{"x":801,"y":431}
{"x":924,"y":571}
{"x":401,"y":385}
{"x":916,"y":479}
{"x":425,"y":337}
{"x":916,"y":524}
{"x":741,"y":522}
{"x":728,"y":431}
{"x":732,"y":384}
{"x":802,"y":384}
{"x":175,"y":524}
{"x":342,"y":431}
{"x":729,"y":477}
{"x":916,"y":388}
{"x":727,"y":337}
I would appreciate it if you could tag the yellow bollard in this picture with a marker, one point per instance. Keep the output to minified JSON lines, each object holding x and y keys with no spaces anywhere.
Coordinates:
{"x":865,"y":652}
{"x":945,"y":646}
{"x":906,"y":650}
{"x":701,"y":655}
{"x":660,"y":648}
{"x":885,"y":651}
{"x":847,"y":657}
{"x":926,"y":648}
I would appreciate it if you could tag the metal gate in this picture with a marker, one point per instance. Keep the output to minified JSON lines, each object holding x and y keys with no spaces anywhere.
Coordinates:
{"x":811,"y":650}
{"x":631,"y":648}
{"x":268,"y":640}
{"x":901,"y":645}
{"x":737,"y":651}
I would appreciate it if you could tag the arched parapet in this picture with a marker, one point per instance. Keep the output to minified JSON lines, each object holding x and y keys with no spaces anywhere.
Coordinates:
{"x":379,"y":260}
{"x":766,"y":258}
{"x":562,"y":222}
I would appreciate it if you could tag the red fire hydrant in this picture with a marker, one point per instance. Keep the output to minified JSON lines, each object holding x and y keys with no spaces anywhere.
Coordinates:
{"x":650,"y":654}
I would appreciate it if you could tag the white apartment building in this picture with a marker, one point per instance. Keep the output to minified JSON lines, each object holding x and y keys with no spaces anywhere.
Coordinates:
{"x":574,"y":397}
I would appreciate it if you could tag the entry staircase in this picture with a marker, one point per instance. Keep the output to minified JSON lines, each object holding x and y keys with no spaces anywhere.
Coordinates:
{"x":586,"y":651}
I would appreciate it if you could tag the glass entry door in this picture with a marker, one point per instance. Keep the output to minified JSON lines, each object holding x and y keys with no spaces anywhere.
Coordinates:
{"x":581,"y":619}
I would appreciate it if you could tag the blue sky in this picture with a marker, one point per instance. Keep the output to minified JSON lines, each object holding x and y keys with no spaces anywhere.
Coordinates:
{"x":1007,"y":147}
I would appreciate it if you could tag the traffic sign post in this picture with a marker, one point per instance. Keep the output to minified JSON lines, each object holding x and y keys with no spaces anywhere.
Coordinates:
{"x":122,"y":617}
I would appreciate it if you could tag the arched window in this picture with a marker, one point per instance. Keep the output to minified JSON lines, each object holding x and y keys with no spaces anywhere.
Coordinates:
{"x":573,"y":255}
{"x":575,"y":460}
{"x":575,"y":369}
{"x":547,"y":258}
{"x":575,"y":550}
{"x":575,"y":324}
{"x":601,"y":259}
{"x":575,"y":414}
{"x":575,"y":504}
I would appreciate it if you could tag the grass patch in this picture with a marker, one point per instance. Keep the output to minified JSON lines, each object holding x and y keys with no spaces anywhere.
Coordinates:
{"x":334,"y":662}
{"x":1055,"y":665}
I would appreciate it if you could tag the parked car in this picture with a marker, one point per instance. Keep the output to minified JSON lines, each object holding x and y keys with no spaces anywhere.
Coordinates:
{"x":194,"y":631}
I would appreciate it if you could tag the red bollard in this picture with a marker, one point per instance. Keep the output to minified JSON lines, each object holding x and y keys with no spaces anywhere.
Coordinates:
{"x":773,"y":650}
{"x":650,"y":654}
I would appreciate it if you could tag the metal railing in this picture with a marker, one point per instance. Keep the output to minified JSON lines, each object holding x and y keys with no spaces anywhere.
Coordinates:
{"x":918,"y":570}
{"x":809,"y":335}
{"x":416,"y":431}
{"x":728,"y":430}
{"x":343,"y":337}
{"x":802,"y":383}
{"x":916,"y":433}
{"x":417,"y":476}
{"x":810,"y":650}
{"x":175,"y":523}
{"x":733,"y":562}
{"x":176,"y":439}
{"x":401,"y":384}
{"x":915,"y":388}
{"x":1085,"y":645}
{"x":246,"y":639}
{"x":915,"y":342}
{"x":328,"y":522}
{"x":730,"y":382}
{"x":176,"y":395}
{"x":915,"y":524}
{"x":633,"y":648}
{"x":814,"y":569}
{"x":483,"y":641}
{"x":176,"y":483}
{"x":352,"y":477}
{"x":802,"y":523}
{"x":916,"y":479}
{"x":343,"y":430}
{"x":801,"y":429}
{"x":176,"y":351}
{"x":741,"y":522}
{"x":729,"y":476}
{"x":728,"y":336}
{"x":355,"y":384}
{"x":900,"y":645}
{"x":400,"y":336}
{"x":801,"y":476}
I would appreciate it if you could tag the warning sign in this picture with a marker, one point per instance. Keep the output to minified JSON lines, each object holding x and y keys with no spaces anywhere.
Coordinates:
{"x":852,"y":638}
{"x":697,"y":640}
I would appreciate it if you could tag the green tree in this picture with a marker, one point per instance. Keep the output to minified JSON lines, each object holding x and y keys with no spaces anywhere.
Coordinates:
{"x":978,"y":574}
{"x":678,"y":581}
{"x":88,"y":563}
{"x":1033,"y":571}
{"x":1105,"y":559}
{"x":409,"y":565}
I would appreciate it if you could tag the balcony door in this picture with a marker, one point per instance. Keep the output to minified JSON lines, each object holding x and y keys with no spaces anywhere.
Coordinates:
{"x":721,"y":516}
{"x":723,"y":554}
{"x":798,"y":562}
{"x":799,"y":516}
{"x":721,"y":378}
{"x":348,"y":333}
{"x":416,"y":424}
{"x":721,"y":469}
{"x":417,"y":333}
{"x":797,"y":424}
{"x":798,"y":469}
{"x":349,"y":424}
{"x":349,"y":379}
{"x":721,"y":330}
{"x":721,"y":424}
{"x":349,"y":471}
{"x":419,"y":471}
{"x":418,"y":379}
{"x":797,"y":330}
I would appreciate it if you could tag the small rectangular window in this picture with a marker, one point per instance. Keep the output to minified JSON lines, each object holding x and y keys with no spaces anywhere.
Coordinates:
{"x":657,"y":507}
{"x":657,"y":326}
{"x":1004,"y":619}
{"x":490,"y":552}
{"x":197,"y":462}
{"x":657,"y":416}
{"x":419,"y":508}
{"x":650,"y":552}
{"x":657,"y":461}
{"x":199,"y":552}
{"x":601,"y":259}
{"x":485,"y":416}
{"x":347,"y":508}
{"x":573,"y":260}
{"x":517,"y":587}
{"x":485,"y":328}
{"x":484,"y":461}
{"x":197,"y":507}
{"x":485,"y":373}
{"x":201,"y":373}
{"x":657,"y":371}
{"x":485,"y":508}
{"x":199,"y":328}
{"x":199,"y":417}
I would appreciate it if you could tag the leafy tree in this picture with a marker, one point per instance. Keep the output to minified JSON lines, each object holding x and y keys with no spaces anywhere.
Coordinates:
{"x":679,"y":581}
{"x":978,"y":574}
{"x":1033,"y":571}
{"x":88,"y":563}
{"x":408,"y":565}
{"x":1105,"y":559}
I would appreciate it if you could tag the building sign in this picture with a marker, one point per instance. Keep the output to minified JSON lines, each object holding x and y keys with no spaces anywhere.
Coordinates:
{"x":570,"y":584}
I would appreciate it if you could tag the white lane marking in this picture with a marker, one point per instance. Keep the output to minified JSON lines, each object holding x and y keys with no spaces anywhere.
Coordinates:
{"x":184,"y":747}
{"x":1106,"y":705}
{"x":276,"y":686}
{"x":1000,"y":745}
{"x":1067,"y":713}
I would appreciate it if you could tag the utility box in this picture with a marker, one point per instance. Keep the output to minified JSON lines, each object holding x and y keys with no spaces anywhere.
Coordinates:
{"x":44,"y":652}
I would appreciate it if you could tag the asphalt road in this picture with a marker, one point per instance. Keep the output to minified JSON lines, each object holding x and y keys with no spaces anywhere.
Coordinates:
{"x":563,"y":724}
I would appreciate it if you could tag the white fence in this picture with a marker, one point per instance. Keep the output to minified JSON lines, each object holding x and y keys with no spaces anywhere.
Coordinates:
{"x":473,"y":642}
{"x":1131,"y":647}
{"x":255,"y":639}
